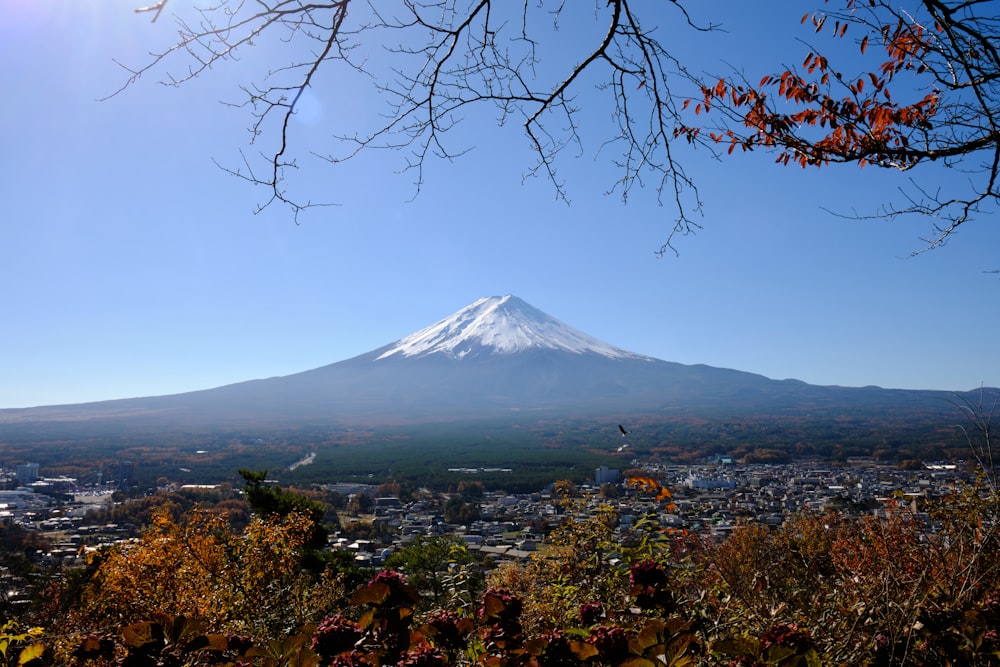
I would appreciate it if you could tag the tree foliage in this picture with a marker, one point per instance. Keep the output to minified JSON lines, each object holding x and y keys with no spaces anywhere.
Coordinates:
{"x":928,"y":90}
{"x":251,"y":582}
{"x":440,"y":569}
{"x":266,"y":500}
{"x":915,"y":582}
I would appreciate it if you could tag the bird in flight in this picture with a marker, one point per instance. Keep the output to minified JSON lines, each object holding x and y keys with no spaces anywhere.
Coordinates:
{"x":622,"y":429}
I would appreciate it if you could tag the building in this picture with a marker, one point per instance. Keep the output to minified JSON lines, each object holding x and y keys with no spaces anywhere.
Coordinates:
{"x":27,"y":473}
{"x":606,"y":475}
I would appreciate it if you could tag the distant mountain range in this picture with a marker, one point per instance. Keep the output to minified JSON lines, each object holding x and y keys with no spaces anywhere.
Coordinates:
{"x":497,"y":356}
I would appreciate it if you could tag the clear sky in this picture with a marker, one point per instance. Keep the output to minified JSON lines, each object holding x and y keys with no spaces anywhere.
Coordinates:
{"x":131,"y":265}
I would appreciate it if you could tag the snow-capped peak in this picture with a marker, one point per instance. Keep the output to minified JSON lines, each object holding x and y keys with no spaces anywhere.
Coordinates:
{"x":499,"y":325}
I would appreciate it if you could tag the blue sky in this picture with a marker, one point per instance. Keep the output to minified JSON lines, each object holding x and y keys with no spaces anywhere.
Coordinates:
{"x":131,"y":265}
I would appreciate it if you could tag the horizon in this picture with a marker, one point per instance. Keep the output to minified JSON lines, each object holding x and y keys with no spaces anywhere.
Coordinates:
{"x":435,"y":324}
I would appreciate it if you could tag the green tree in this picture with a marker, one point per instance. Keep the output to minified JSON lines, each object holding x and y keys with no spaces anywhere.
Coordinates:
{"x":440,"y":568}
{"x":267,"y":499}
{"x":458,"y":511}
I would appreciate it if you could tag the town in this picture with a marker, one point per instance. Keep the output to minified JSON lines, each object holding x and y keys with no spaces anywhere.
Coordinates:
{"x":709,"y":499}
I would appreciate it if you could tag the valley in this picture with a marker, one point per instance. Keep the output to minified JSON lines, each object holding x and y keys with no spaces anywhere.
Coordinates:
{"x":538,"y":451}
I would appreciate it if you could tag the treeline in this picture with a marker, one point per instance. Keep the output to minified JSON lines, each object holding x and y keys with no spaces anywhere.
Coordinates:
{"x":537,"y":453}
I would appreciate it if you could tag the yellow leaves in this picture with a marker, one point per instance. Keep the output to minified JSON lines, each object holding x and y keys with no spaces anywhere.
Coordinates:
{"x":198,"y":566}
{"x":13,"y":643}
{"x":162,"y":518}
{"x":29,"y":653}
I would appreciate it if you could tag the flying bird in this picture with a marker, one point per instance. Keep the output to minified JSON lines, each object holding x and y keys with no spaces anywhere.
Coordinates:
{"x":622,"y":429}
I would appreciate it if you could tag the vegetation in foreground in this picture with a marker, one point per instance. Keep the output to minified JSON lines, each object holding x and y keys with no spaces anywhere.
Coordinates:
{"x":902,"y":586}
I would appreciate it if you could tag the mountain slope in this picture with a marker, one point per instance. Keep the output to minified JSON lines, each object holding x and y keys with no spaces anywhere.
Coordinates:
{"x":497,"y":356}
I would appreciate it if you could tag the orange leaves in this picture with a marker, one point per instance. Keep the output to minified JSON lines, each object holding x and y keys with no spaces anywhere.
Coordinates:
{"x":906,"y":44}
{"x":814,"y":62}
{"x":864,"y":126}
{"x":819,"y":20}
{"x":817,"y":115}
{"x":650,"y":485}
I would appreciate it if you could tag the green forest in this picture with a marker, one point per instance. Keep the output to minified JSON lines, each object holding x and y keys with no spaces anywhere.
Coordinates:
{"x":538,"y":451}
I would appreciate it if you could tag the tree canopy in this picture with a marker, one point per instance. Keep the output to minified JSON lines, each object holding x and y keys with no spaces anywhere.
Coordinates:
{"x":921,"y":86}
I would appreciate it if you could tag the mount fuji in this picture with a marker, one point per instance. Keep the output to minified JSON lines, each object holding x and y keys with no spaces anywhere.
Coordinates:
{"x":502,"y":325}
{"x":497,"y":356}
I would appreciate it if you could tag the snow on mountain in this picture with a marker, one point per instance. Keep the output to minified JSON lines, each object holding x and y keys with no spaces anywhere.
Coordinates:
{"x":500,"y":325}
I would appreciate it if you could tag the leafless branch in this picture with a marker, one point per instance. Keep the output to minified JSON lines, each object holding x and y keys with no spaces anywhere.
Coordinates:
{"x":978,"y":431}
{"x":450,"y":59}
{"x":157,"y":8}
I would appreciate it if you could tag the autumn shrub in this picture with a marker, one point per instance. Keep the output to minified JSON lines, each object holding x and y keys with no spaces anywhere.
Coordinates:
{"x":388,"y":603}
{"x":904,"y":585}
{"x":763,"y":574}
{"x":580,"y":565}
{"x":448,"y":631}
{"x":249,"y":582}
{"x":335,"y":635}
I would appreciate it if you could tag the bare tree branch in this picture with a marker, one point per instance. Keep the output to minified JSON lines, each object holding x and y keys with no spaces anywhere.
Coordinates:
{"x":978,"y":431}
{"x":157,"y":8}
{"x":450,"y":57}
{"x":439,"y":62}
